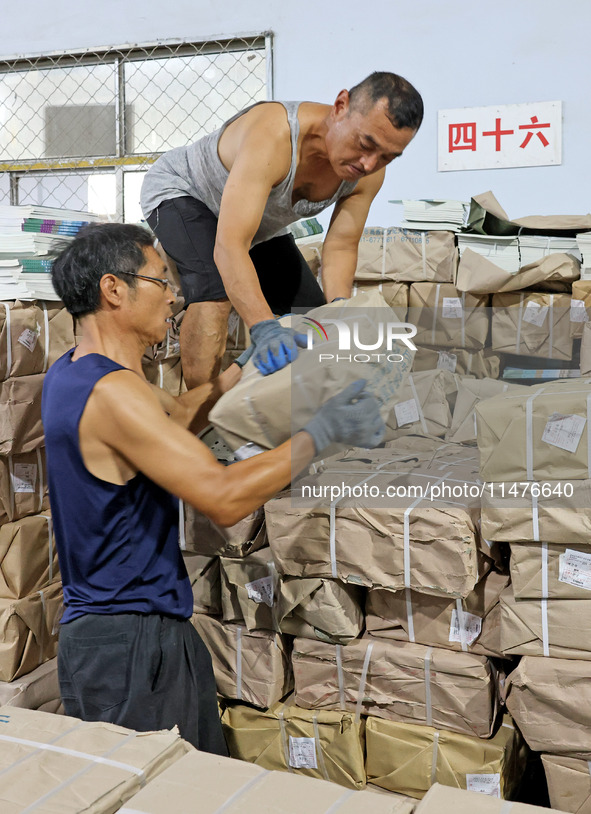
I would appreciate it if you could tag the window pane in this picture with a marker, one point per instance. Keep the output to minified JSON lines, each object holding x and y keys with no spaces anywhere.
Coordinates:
{"x":86,"y":192}
{"x":132,"y":183}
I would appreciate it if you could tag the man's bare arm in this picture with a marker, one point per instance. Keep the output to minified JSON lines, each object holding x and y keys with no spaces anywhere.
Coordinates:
{"x":339,"y":252}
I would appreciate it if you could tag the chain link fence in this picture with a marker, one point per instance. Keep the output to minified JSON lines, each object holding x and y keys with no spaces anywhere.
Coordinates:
{"x":79,"y":130}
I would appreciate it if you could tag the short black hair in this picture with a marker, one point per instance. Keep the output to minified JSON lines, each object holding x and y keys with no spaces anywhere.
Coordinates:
{"x":405,"y":104}
{"x":97,"y":249}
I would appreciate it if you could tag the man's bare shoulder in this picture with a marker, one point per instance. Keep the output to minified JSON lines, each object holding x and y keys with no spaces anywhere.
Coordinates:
{"x":123,"y":395}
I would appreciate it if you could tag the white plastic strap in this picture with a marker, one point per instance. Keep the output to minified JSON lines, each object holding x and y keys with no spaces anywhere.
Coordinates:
{"x":11,"y":482}
{"x":362,"y":682}
{"x":463,"y":334}
{"x":41,"y":641}
{"x":461,"y":626}
{"x":182,"y":538}
{"x":340,"y":677}
{"x":46,"y":345}
{"x":469,"y":364}
{"x":25,"y":758}
{"x":535,"y":518}
{"x":384,"y":245}
{"x":161,"y":375}
{"x":248,"y":785}
{"x":424,"y":253}
{"x":409,"y":615}
{"x":41,"y":482}
{"x":332,"y":538}
{"x":544,"y":600}
{"x":529,"y":440}
{"x":340,"y":802}
{"x":434,"y":757}
{"x":49,"y":544}
{"x":239,"y":662}
{"x":8,"y":340}
{"x":588,"y":428}
{"x":551,"y":326}
{"x":434,"y":323}
{"x":589,"y":766}
{"x":284,"y":740}
{"x":415,"y":396}
{"x":428,"y":704}
{"x":520,"y":317}
{"x":319,"y":753}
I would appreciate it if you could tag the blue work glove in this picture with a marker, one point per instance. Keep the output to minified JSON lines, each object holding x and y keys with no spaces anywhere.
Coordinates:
{"x":275,"y":346}
{"x":351,"y":417}
{"x":336,"y":299}
{"x":244,"y":356}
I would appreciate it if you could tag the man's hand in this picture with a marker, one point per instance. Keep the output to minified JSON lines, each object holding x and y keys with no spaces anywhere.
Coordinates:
{"x":274,"y":346}
{"x":352,"y":417}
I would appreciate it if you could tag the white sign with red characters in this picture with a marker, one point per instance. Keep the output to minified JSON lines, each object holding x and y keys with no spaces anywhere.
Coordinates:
{"x":478,"y":138}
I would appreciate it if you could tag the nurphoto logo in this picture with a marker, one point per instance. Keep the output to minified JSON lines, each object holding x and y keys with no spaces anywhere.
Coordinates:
{"x":384,"y":336}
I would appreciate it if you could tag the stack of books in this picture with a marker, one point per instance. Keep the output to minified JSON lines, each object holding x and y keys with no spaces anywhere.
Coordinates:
{"x":584,"y":244}
{"x":534,"y":247}
{"x":430,"y":214}
{"x":502,"y":251}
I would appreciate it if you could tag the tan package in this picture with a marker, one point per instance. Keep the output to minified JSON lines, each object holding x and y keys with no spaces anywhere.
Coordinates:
{"x":580,"y":307}
{"x":478,"y":363}
{"x":471,"y":392}
{"x":249,"y":666}
{"x":28,"y":558}
{"x":422,"y":404}
{"x":569,"y":783}
{"x":478,"y":275}
{"x":323,"y":744}
{"x":540,"y":435}
{"x":532,"y":324}
{"x":471,"y":624}
{"x":395,"y":294}
{"x":238,"y":335}
{"x":446,"y":317}
{"x":39,"y":334}
{"x":201,"y":535}
{"x":38,"y":689}
{"x":585,"y":361}
{"x":312,"y":254}
{"x":29,"y":629}
{"x":237,"y":787}
{"x":552,"y":571}
{"x":550,"y":701}
{"x":447,"y":800}
{"x":406,"y":255}
{"x":398,"y":681}
{"x":409,"y":759}
{"x":532,"y":627}
{"x":167,"y":374}
{"x":21,"y":429}
{"x":487,"y":216}
{"x":23,"y":485}
{"x":266,"y":410}
{"x":204,"y":573}
{"x":56,"y":763}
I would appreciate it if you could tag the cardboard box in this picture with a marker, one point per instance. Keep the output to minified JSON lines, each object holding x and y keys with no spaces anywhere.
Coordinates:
{"x":463,"y":429}
{"x":532,"y":324}
{"x":21,"y":429}
{"x":448,"y":318}
{"x":569,"y":783}
{"x":56,"y":763}
{"x":446,"y":800}
{"x":201,"y":535}
{"x":249,"y":666}
{"x":565,"y":570}
{"x":250,"y":789}
{"x":471,"y":625}
{"x":32,"y":336}
{"x":38,"y":689}
{"x":23,"y":485}
{"x":540,"y":435}
{"x":322,"y":744}
{"x":478,"y":275}
{"x":550,"y":701}
{"x":580,"y":307}
{"x":204,"y":573}
{"x":406,"y":255}
{"x":28,"y":557}
{"x":479,"y":363}
{"x":409,"y":759}
{"x":398,"y":681}
{"x":422,"y":404}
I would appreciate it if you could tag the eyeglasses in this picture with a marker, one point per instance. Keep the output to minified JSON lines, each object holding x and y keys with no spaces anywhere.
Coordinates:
{"x":163,"y":281}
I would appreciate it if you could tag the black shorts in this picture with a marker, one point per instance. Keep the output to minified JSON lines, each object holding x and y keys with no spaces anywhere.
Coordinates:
{"x":186,"y":228}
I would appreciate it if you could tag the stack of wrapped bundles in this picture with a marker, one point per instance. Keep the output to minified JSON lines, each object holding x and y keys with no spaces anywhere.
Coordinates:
{"x":422,"y":404}
{"x":445,"y":800}
{"x":479,"y":363}
{"x":580,"y":306}
{"x":537,"y":499}
{"x":463,"y":429}
{"x":532,"y":324}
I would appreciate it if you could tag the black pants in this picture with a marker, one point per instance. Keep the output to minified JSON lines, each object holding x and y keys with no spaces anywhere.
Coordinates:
{"x":141,"y":671}
{"x":186,"y":228}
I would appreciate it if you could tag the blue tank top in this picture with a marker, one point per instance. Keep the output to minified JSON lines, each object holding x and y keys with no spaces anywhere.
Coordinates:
{"x":117,"y":545}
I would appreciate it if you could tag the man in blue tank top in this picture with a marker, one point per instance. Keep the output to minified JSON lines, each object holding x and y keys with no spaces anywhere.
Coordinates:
{"x":119,"y":455}
{"x":220,"y":207}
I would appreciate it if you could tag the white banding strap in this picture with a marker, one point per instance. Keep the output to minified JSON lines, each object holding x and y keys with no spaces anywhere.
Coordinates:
{"x":49,"y":544}
{"x":161,"y":375}
{"x":461,"y":625}
{"x":475,"y":423}
{"x":11,"y":484}
{"x":415,"y":396}
{"x":506,"y":807}
{"x":8,"y":340}
{"x":246,"y":787}
{"x":529,"y":440}
{"x":41,"y":641}
{"x":182,"y":537}
{"x":332,"y":538}
{"x":434,"y":757}
{"x":340,"y":676}
{"x":340,"y":802}
{"x":41,"y":482}
{"x":424,"y":253}
{"x":284,"y":740}
{"x":239,"y":662}
{"x":551,"y":326}
{"x":535,"y":518}
{"x":469,"y":364}
{"x":589,"y":766}
{"x":588,"y":428}
{"x":31,"y":755}
{"x":362,"y":682}
{"x":319,"y":752}
{"x":409,"y":615}
{"x":46,"y":345}
{"x":544,"y":600}
{"x":384,"y":248}
{"x":463,"y":329}
{"x":434,"y":323}
{"x":428,"y":703}
{"x":520,"y":317}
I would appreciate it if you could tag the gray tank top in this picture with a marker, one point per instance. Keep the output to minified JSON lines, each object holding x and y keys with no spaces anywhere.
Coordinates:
{"x":197,"y":171}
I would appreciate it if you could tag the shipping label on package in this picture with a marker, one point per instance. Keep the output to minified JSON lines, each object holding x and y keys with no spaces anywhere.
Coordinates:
{"x":28,"y":339}
{"x":575,"y":569}
{"x":452,"y":308}
{"x":535,"y":313}
{"x":407,"y":412}
{"x":564,"y":431}
{"x":471,"y":627}
{"x":24,"y":477}
{"x":302,"y":753}
{"x":447,"y":361}
{"x":578,"y":312}
{"x":484,"y":784}
{"x":261,"y":591}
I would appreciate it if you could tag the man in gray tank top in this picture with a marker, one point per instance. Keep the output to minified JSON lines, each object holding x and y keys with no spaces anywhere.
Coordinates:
{"x":220,"y":207}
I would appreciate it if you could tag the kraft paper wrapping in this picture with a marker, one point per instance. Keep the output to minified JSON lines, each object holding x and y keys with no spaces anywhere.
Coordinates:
{"x":406,"y":255}
{"x":201,"y":535}
{"x":38,"y":689}
{"x":21,"y":429}
{"x":569,"y":783}
{"x":312,"y":254}
{"x":550,"y":701}
{"x":23,"y":485}
{"x":251,"y":666}
{"x":267,"y":410}
{"x":471,"y":625}
{"x":478,"y":363}
{"x":409,"y":759}
{"x":28,"y":557}
{"x":479,"y":275}
{"x":204,"y":573}
{"x":395,"y":294}
{"x":422,"y":404}
{"x":470,"y":393}
{"x":585,"y":362}
{"x":580,"y":313}
{"x":399,"y":681}
{"x":545,"y":627}
{"x":57,"y":763}
{"x":513,"y":330}
{"x":544,"y":570}
{"x":332,"y":749}
{"x":32,"y":336}
{"x":29,"y":629}
{"x":446,"y":317}
{"x":250,"y":789}
{"x":447,"y":800}
{"x":487,"y":217}
{"x":532,"y":437}
{"x":166,"y":374}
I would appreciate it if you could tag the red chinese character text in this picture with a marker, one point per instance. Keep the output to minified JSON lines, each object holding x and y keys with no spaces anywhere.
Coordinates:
{"x":462,"y":136}
{"x":534,"y":126}
{"x":497,"y":133}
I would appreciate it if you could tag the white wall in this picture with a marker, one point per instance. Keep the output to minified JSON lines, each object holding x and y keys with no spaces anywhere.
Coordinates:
{"x":457,"y":54}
